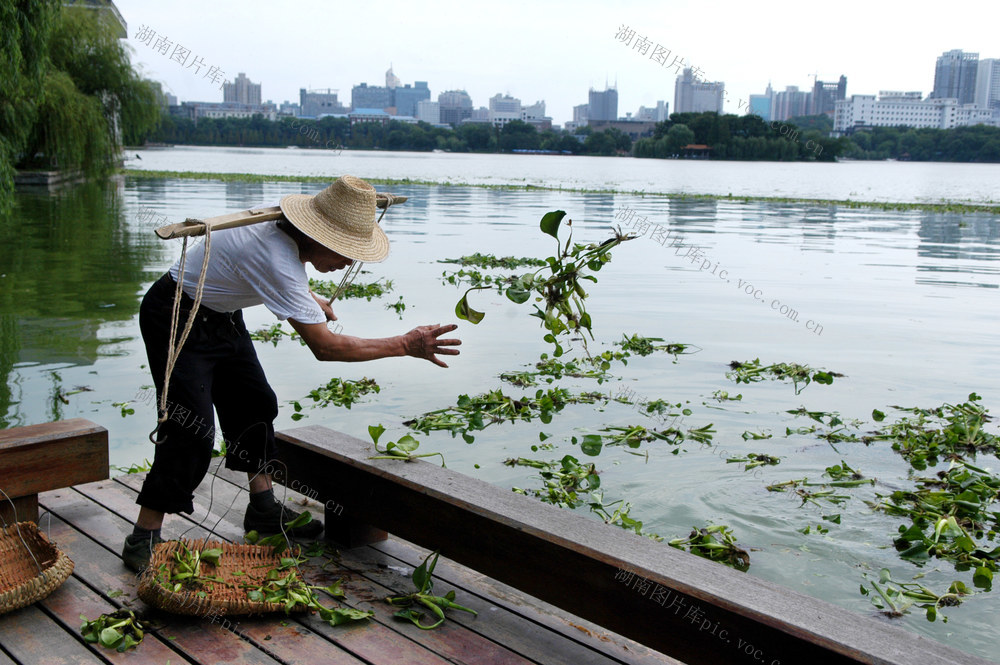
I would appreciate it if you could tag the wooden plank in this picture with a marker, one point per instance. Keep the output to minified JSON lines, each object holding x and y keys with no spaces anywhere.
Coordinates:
{"x":449,"y":641}
{"x":43,"y":457}
{"x":4,"y":658}
{"x":379,"y":646}
{"x":30,"y":636}
{"x":554,"y":620}
{"x":74,"y":598}
{"x":25,"y":509}
{"x":520,"y":632}
{"x":687,"y":607}
{"x":237,"y":639}
{"x":196,"y":639}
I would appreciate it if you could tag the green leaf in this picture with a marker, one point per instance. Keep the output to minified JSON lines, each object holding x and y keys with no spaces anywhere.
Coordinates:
{"x":877,"y":415}
{"x":375,"y":431}
{"x":110,"y":638}
{"x":518,"y":294}
{"x":465,"y":312}
{"x":422,"y":574}
{"x":550,"y":223}
{"x":211,"y":555}
{"x":983,"y":578}
{"x":408,"y":444}
{"x":304,"y":518}
{"x":591,"y":444}
{"x":251,"y":537}
{"x":341,"y":615}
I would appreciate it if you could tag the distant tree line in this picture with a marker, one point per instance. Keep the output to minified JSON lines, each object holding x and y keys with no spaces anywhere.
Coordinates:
{"x":731,"y":137}
{"x":978,"y":143}
{"x":332,"y":132}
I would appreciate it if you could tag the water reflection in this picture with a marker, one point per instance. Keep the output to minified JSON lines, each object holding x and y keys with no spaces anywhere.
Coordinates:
{"x":70,"y":262}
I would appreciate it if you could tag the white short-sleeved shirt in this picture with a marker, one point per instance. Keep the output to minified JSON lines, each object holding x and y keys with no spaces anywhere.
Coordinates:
{"x":252,"y":265}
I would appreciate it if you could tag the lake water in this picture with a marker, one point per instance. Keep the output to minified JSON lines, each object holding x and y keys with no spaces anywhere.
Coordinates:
{"x":856,"y":181}
{"x":902,"y":303}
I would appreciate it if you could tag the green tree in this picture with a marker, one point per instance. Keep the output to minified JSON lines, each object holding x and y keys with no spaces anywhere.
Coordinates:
{"x":23,"y":63}
{"x":677,"y":137}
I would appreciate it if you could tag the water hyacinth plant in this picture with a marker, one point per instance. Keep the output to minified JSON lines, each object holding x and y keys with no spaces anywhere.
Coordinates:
{"x":556,"y":287}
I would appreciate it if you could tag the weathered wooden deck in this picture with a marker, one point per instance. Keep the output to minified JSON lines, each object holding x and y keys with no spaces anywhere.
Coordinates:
{"x":89,"y":523}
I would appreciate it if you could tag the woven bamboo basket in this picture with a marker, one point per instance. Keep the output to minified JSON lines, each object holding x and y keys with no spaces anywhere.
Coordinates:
{"x":240,"y":568}
{"x":21,"y":583}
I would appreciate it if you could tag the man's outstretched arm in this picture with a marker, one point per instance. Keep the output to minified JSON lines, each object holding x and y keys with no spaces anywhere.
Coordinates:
{"x":421,"y":342}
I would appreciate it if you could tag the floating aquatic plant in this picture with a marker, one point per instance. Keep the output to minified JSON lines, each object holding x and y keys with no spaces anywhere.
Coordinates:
{"x":751,"y":371}
{"x":478,"y":260}
{"x":339,"y":392}
{"x":120,"y":630}
{"x":717,"y":543}
{"x":366,"y":290}
{"x":894,"y":599}
{"x":644,"y":346}
{"x":471,"y":414}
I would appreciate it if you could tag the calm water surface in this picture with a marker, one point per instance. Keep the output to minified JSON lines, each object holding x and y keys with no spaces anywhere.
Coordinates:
{"x":903,"y":303}
{"x":857,"y":181}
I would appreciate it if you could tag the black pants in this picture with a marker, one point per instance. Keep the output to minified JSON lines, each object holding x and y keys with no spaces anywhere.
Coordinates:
{"x":217,"y":366}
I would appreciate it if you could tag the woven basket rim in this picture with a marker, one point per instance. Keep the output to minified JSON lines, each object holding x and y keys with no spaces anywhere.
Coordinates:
{"x":188,"y":602}
{"x":56,"y":566}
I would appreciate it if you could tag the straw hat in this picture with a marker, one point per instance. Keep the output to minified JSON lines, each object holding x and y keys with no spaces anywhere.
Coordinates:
{"x":341,"y":218}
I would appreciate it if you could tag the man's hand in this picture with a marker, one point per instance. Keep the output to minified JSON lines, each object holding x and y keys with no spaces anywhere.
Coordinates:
{"x":423,"y":342}
{"x":325,"y":306}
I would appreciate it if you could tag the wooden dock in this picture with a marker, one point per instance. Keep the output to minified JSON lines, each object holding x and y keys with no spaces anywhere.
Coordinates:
{"x":89,"y":522}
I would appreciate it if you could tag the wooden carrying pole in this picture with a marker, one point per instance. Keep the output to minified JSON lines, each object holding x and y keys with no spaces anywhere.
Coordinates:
{"x":196,"y":227}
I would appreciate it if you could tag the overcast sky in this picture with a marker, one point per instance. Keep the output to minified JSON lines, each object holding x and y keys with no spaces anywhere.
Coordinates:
{"x":556,"y":51}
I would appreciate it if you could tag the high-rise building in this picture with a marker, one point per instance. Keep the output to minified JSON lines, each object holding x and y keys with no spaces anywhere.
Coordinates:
{"x":955,"y":76}
{"x":503,"y":109}
{"x":314,"y":103}
{"x":456,"y":106}
{"x":391,"y":80}
{"x":988,"y":84}
{"x":825,"y":96}
{"x":762,"y":105}
{"x":581,"y":112}
{"x":428,"y":111}
{"x":406,"y":97}
{"x":694,"y":96}
{"x":366,"y":96}
{"x":789,"y":103}
{"x":603,"y":105}
{"x":658,"y":113}
{"x":241,"y":90}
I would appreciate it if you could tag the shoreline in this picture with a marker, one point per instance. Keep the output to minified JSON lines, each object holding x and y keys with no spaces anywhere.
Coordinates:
{"x":954,"y":207}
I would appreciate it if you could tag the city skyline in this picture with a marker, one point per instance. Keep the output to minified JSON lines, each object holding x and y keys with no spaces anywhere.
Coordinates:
{"x":548,"y":51}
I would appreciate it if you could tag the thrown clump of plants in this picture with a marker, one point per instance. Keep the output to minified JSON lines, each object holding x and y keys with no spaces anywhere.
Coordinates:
{"x":413,"y":603}
{"x":557,"y":286}
{"x":715,"y":542}
{"x":471,"y":414}
{"x":339,"y":392}
{"x":751,"y":371}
